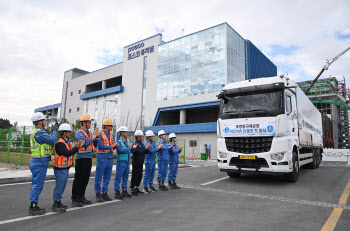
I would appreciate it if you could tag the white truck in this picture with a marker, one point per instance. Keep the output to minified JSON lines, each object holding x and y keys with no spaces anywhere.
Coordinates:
{"x":267,"y":125}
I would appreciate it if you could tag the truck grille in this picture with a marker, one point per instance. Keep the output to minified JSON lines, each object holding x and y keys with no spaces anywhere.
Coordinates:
{"x":248,"y":145}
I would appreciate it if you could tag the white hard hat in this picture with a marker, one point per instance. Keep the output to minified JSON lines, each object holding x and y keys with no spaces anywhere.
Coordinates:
{"x":149,"y":133}
{"x":138,"y":133}
{"x":37,"y":116}
{"x":161,"y":132}
{"x":64,"y":127}
{"x":123,"y":129}
{"x":172,"y":135}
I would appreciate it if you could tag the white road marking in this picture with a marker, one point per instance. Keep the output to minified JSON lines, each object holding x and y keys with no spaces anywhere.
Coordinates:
{"x":266,"y":197}
{"x":53,"y":213}
{"x":210,"y":182}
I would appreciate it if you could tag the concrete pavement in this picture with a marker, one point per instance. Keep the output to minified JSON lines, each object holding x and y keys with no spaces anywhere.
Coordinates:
{"x":208,"y":200}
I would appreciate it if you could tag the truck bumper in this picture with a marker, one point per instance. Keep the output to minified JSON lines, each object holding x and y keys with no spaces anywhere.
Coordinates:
{"x":262,"y":162}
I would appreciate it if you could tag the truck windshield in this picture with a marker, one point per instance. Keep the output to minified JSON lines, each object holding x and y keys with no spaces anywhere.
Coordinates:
{"x":252,"y":104}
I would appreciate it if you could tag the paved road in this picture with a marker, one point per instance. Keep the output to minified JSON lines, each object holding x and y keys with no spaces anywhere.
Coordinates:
{"x":208,"y":200}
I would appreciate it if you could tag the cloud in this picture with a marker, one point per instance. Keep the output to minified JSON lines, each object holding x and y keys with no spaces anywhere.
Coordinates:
{"x":39,"y":40}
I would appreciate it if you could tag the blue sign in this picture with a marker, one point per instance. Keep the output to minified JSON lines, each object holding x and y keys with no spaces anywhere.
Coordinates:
{"x":208,"y":146}
{"x":227,"y":129}
{"x":270,"y":128}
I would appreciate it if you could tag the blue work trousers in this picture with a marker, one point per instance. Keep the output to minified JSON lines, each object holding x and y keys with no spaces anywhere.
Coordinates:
{"x":104,"y":167}
{"x":173,"y":171}
{"x":162,"y":170}
{"x":61,"y":183}
{"x":122,"y":175}
{"x":38,"y":169}
{"x":150,"y":169}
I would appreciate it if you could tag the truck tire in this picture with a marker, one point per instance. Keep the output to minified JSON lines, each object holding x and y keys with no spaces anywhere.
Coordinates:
{"x":234,"y":174}
{"x":314,"y":162}
{"x":318,"y":159}
{"x":293,"y":176}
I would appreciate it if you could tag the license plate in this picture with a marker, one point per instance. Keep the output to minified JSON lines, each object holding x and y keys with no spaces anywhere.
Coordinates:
{"x":245,"y":157}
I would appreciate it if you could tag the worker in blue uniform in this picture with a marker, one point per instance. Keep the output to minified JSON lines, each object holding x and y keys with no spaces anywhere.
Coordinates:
{"x":123,"y":164}
{"x":163,"y":160}
{"x":150,"y":163}
{"x":104,"y":164}
{"x":41,"y":148}
{"x":173,"y":161}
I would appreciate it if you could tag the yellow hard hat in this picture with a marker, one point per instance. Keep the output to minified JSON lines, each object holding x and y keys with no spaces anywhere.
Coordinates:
{"x":107,"y":122}
{"x":85,"y":117}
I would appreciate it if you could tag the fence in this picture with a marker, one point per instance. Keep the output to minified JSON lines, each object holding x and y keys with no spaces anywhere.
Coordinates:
{"x":15,"y":145}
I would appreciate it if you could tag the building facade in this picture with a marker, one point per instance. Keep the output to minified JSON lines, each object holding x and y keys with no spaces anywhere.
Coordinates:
{"x":167,"y":85}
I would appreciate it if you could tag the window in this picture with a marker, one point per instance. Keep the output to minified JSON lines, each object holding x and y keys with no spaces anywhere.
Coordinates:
{"x":289,"y":105}
{"x":79,"y":92}
{"x":71,"y":94}
{"x":77,"y":109}
{"x":70,"y":110}
{"x":193,"y":143}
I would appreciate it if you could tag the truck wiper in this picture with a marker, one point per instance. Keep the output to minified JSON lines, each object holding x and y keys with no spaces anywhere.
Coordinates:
{"x":259,"y":110}
{"x":232,"y":113}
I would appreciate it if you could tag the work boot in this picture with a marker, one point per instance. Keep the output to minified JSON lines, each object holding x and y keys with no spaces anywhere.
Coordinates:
{"x":105,"y":197}
{"x":138,"y":191}
{"x":162,"y":187}
{"x":77,"y":203}
{"x":99,"y":197}
{"x":56,"y":207}
{"x":62,"y":205}
{"x":35,"y":210}
{"x":174,"y":185}
{"x":126,"y":194}
{"x":118,"y":195}
{"x":85,"y":201}
{"x":152,"y":189}
{"x":134,"y":192}
{"x":170,"y":185}
{"x":145,"y":190}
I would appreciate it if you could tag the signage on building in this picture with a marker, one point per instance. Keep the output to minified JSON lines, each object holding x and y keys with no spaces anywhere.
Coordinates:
{"x":137,"y":51}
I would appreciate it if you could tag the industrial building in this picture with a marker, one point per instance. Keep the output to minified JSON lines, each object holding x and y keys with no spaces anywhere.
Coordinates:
{"x":169,"y":85}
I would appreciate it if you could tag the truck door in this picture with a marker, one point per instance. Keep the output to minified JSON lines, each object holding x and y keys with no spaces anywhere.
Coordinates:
{"x":291,"y":112}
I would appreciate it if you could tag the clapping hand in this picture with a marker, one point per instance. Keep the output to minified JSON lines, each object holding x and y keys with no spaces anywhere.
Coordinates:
{"x":148,"y":146}
{"x":181,"y":146}
{"x":115,"y":144}
{"x":134,"y":146}
{"x":160,"y":146}
{"x":79,"y":143}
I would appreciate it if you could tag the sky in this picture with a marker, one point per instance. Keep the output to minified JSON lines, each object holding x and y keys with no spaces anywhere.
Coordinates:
{"x":40,"y":40}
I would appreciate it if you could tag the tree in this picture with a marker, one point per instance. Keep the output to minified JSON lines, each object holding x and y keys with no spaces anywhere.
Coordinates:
{"x":5,"y":123}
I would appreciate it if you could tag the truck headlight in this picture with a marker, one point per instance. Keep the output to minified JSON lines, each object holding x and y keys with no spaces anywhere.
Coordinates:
{"x":277,"y":156}
{"x":223,"y":155}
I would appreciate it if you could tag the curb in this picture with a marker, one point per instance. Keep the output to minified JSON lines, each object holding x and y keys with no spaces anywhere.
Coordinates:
{"x":52,"y":177}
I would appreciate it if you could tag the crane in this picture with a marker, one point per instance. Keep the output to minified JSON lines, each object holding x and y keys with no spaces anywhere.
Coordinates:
{"x":325,"y":67}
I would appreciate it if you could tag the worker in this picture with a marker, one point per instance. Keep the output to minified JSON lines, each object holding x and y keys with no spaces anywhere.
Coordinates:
{"x":64,"y":159}
{"x":150,"y":163}
{"x":173,"y":161}
{"x":123,"y":164}
{"x":138,"y":157}
{"x":104,"y":163}
{"x":41,"y":148}
{"x":163,"y":160}
{"x":83,"y":161}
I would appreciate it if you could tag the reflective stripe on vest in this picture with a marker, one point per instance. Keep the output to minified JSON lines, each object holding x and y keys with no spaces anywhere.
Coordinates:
{"x":105,"y":141}
{"x":39,"y":150}
{"x":89,"y":148}
{"x":63,"y":161}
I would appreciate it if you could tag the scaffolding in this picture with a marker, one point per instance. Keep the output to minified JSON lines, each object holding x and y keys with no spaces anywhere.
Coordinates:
{"x":331,"y":98}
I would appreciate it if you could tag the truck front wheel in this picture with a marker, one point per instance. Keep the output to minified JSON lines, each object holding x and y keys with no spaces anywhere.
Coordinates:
{"x":293,"y":176}
{"x":234,"y":174}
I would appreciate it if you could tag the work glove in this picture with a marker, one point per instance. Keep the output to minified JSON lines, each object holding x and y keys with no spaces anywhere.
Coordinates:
{"x":54,"y":128}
